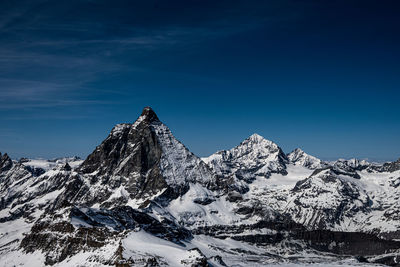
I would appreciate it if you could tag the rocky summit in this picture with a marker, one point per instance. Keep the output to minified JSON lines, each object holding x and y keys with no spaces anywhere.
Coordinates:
{"x":141,"y":198}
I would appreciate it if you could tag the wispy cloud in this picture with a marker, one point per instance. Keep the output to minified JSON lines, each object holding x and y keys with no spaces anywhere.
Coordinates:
{"x":13,"y":13}
{"x":41,"y":103}
{"x":50,"y":61}
{"x":44,"y":117}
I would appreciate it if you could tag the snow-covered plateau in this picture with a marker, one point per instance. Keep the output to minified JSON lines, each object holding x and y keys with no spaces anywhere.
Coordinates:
{"x":141,"y":198}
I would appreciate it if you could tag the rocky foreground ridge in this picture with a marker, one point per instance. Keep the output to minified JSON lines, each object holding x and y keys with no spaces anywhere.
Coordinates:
{"x":141,"y":198}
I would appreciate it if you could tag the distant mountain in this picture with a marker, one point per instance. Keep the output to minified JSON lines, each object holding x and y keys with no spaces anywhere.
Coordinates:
{"x":389,"y":166}
{"x":40,"y":166}
{"x":299,"y":157}
{"x":254,"y":157}
{"x":141,"y":198}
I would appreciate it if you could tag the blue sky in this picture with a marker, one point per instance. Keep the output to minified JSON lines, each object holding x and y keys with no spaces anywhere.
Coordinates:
{"x":319,"y":75}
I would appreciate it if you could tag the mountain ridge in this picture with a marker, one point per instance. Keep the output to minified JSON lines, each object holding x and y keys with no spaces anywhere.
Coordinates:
{"x":250,"y":204}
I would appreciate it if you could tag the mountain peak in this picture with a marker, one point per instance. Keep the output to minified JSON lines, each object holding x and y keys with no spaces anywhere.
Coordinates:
{"x":299,"y":157}
{"x":299,"y":151}
{"x":145,"y":159}
{"x":256,"y":137}
{"x":149,"y":115}
{"x":254,"y":157}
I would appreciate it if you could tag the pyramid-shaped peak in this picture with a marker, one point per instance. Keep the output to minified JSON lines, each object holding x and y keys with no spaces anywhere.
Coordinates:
{"x":145,"y":147}
{"x":256,"y":138}
{"x":149,"y":115}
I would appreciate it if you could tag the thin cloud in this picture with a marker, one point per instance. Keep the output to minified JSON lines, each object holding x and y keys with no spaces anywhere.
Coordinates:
{"x":53,"y":103}
{"x":65,"y":57}
{"x":45,"y":117}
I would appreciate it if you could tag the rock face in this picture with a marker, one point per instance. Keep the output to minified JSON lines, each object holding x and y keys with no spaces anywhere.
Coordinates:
{"x":61,"y":237}
{"x":137,"y":162}
{"x":5,"y":163}
{"x":141,"y":198}
{"x":14,"y":178}
{"x":148,"y":155}
{"x":390,"y":166}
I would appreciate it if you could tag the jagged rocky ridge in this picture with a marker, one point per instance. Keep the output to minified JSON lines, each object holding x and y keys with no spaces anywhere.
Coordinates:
{"x":143,"y":199}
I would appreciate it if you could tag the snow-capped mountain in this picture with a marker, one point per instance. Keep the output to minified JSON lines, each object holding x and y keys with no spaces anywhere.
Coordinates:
{"x":299,"y":157}
{"x":352,"y":164}
{"x":254,"y":157}
{"x":141,"y":198}
{"x":138,"y":162}
{"x":328,"y":199}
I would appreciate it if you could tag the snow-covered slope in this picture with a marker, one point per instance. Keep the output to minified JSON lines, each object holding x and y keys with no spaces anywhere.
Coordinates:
{"x":47,"y":165}
{"x":328,"y":199}
{"x":143,"y":199}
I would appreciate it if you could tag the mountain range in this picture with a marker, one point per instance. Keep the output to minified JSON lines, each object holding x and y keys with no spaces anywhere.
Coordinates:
{"x":141,"y":198}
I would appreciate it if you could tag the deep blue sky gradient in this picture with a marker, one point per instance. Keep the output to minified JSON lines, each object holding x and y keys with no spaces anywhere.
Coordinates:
{"x":320,"y":75}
